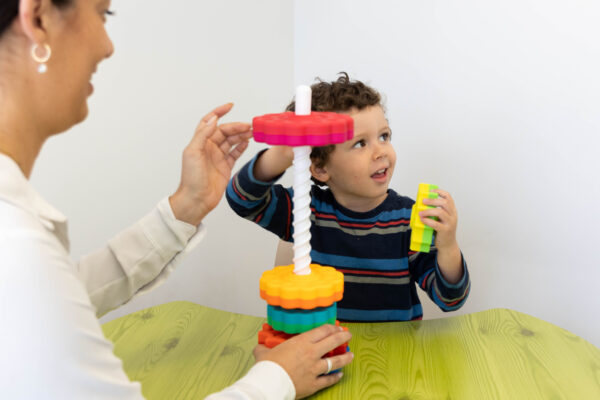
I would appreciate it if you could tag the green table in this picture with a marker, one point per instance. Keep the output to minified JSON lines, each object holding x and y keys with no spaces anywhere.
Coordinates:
{"x":182,"y":350}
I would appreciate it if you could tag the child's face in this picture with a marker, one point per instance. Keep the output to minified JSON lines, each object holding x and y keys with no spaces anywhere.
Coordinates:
{"x":359,"y":171}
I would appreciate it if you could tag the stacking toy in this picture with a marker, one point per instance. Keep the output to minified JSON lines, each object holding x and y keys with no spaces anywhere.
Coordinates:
{"x":303,"y":295}
{"x":421,"y":236}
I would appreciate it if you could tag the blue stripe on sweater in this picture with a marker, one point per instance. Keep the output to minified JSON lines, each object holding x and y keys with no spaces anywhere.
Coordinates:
{"x":245,"y":204}
{"x":375,"y":264}
{"x":441,"y":304}
{"x":268,"y":213}
{"x":380,"y":315}
{"x":425,"y":275}
{"x":384,"y":216}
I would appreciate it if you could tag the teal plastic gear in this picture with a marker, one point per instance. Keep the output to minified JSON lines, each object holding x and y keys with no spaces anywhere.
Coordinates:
{"x":298,"y":320}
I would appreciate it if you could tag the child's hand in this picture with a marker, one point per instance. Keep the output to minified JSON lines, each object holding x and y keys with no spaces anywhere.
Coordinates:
{"x":445,"y":228}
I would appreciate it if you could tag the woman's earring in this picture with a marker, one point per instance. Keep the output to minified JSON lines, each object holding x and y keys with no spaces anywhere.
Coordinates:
{"x":42,"y":60}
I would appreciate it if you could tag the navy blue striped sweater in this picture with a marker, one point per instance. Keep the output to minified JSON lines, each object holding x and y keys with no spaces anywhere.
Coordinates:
{"x":371,"y":248}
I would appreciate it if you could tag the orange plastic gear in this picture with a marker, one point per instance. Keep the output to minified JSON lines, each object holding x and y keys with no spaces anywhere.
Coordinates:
{"x":321,"y":288}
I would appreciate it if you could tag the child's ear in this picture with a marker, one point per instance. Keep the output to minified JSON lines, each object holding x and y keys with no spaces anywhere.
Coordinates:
{"x":319,"y":173}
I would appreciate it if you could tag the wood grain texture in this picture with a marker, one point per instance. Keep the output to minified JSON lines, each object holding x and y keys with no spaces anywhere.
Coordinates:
{"x":182,"y":350}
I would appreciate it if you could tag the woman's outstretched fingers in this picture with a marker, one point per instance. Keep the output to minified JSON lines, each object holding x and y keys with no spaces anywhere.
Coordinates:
{"x":336,"y":362}
{"x":259,"y":351}
{"x":208,"y":121}
{"x":236,"y":152}
{"x":228,"y":135}
{"x":204,"y":130}
{"x":332,"y":341}
{"x":324,"y":381}
{"x":219,"y":111}
{"x":320,"y":333}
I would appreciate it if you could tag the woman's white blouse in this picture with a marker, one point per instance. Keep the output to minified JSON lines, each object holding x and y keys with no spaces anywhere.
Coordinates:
{"x":52,"y":343}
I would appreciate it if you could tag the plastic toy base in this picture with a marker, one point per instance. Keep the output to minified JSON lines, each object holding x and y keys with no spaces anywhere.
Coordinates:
{"x":421,"y":236}
{"x":321,"y":288}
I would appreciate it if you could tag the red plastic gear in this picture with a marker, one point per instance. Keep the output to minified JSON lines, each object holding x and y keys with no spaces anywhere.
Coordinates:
{"x":271,"y":338}
{"x":316,"y":129}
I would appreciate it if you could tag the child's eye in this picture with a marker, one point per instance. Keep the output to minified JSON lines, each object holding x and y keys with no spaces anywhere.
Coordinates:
{"x":359,"y":144}
{"x":384,"y":137}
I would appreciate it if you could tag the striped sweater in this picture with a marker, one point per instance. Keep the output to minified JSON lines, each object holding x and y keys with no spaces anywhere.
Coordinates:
{"x":371,"y":248}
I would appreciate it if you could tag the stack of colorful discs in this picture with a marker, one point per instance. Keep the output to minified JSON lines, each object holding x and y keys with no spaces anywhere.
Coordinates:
{"x":299,"y":303}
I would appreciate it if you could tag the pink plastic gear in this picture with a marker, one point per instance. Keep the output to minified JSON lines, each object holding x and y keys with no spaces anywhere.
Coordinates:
{"x":316,"y":129}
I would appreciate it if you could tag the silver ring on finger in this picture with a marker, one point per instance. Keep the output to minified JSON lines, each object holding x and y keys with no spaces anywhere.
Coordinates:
{"x":329,"y":365}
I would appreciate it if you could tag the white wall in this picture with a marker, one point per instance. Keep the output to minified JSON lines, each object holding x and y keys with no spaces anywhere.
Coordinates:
{"x":174,"y":62}
{"x":501,"y":98}
{"x":499,"y":103}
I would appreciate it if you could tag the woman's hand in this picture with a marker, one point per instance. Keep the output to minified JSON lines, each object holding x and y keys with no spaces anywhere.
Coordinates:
{"x":207,"y":163}
{"x":300,"y":356}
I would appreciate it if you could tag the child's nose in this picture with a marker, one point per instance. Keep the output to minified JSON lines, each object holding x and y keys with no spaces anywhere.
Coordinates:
{"x":379,"y":152}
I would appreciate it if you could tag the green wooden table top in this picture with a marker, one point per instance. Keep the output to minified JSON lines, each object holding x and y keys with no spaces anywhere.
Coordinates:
{"x":182,"y":350}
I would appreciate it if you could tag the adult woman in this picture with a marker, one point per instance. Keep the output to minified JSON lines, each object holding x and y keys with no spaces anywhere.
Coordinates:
{"x":49,"y":50}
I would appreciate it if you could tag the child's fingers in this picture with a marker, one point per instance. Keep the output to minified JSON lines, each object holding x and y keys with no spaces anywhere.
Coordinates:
{"x":443,"y":193}
{"x":445,"y":222}
{"x":439,"y":202}
{"x":440,"y":213}
{"x":438,"y":226}
{"x":444,"y":202}
{"x":432,"y":223}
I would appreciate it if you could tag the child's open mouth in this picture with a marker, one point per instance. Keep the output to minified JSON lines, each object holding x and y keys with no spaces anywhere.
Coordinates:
{"x":380,"y":175}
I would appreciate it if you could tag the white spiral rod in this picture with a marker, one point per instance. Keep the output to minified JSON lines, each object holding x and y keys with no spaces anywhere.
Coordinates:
{"x":302,"y":210}
{"x":301,"y":187}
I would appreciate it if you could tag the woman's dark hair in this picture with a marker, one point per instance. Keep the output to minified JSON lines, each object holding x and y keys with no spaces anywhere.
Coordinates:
{"x":9,"y":9}
{"x":338,"y":96}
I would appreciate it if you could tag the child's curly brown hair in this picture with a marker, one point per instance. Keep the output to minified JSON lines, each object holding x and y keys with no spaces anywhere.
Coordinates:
{"x":341,"y":95}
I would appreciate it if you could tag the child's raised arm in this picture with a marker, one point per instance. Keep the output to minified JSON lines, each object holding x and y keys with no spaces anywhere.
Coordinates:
{"x":273,"y":163}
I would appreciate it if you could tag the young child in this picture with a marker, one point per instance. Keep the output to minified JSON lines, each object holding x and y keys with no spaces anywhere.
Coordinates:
{"x":359,"y":226}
